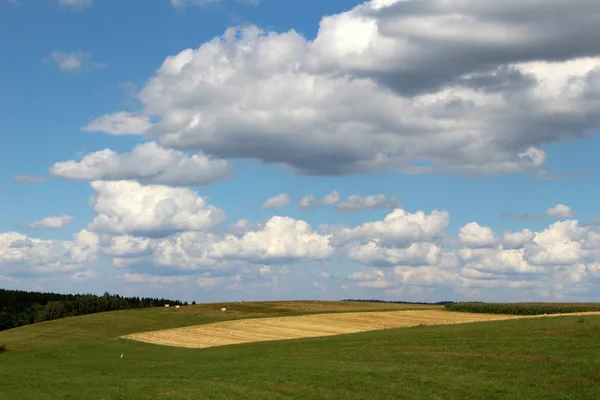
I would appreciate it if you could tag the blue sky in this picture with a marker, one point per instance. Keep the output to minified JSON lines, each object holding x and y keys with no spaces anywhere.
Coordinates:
{"x":335,"y":95}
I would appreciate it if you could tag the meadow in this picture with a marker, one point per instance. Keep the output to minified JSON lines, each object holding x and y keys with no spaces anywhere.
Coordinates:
{"x":80,"y":358}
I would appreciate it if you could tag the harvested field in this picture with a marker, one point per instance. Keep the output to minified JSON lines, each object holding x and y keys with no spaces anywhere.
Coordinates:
{"x":281,"y":328}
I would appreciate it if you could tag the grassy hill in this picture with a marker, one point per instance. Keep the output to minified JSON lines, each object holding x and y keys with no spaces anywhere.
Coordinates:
{"x":79,"y":358}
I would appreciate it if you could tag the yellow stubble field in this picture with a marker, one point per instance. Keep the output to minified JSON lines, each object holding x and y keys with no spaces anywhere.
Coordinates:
{"x":282,"y":328}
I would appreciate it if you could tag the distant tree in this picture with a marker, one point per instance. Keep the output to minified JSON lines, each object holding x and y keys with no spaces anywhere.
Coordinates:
{"x":52,"y":310}
{"x":23,"y":308}
{"x":194,"y":302}
{"x":7,"y":320}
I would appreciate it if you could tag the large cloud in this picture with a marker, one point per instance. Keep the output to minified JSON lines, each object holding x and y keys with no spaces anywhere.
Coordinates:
{"x":380,"y":89}
{"x":398,"y":229}
{"x":281,"y":240}
{"x":146,"y":163}
{"x":127,"y":207}
{"x":559,"y":262}
{"x":21,"y":255}
{"x":407,"y":254}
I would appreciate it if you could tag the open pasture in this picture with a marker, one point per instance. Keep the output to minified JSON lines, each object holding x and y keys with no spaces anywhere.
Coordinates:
{"x":518,"y":358}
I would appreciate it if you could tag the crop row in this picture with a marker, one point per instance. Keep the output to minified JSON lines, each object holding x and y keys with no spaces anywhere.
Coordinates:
{"x":523,"y":308}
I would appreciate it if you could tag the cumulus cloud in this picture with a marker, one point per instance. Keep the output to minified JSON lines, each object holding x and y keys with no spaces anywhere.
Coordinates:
{"x":474,"y":235}
{"x":560,"y":211}
{"x":147,"y":163}
{"x":74,"y":61}
{"x":26,"y":178}
{"x":279,"y":201}
{"x":243,"y":226}
{"x":21,"y":255}
{"x":560,"y":244}
{"x":559,"y":261}
{"x":469,"y":104}
{"x":405,"y":253}
{"x":128,"y":207}
{"x":281,"y":240}
{"x":119,"y":123}
{"x":183,"y":253}
{"x":51,"y":222}
{"x":331,"y":199}
{"x":516,"y":240}
{"x":417,"y":254}
{"x":399,"y":228}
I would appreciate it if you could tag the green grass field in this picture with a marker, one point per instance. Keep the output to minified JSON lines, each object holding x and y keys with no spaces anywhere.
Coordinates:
{"x":79,"y":358}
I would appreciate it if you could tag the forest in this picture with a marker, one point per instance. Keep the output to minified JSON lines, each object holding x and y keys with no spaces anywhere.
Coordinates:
{"x":18,"y":308}
{"x":439,"y":303}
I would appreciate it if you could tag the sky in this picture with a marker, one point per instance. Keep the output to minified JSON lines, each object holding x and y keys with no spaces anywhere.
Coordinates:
{"x":228,"y":150}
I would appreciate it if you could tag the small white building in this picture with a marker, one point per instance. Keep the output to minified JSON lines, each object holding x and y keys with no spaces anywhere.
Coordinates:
{"x":176,"y":306}
{"x":166,"y":305}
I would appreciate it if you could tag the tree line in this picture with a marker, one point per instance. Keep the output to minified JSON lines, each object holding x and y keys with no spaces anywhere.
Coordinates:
{"x":18,"y":308}
{"x":439,"y":303}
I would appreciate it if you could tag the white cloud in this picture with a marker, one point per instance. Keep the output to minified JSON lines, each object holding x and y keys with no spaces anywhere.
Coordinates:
{"x":426,"y":276}
{"x":21,"y":255}
{"x":516,"y":240}
{"x":146,"y":163}
{"x":332,"y":198}
{"x":367,"y":275}
{"x":119,"y":123}
{"x":556,"y":263}
{"x":474,"y":235}
{"x":279,"y":201}
{"x":559,"y":244}
{"x":75,"y":5}
{"x":398,"y":228}
{"x":560,"y":211}
{"x":74,"y":61}
{"x":127,"y":207}
{"x":307,"y":202}
{"x":127,"y":246}
{"x":242,"y":226}
{"x":51,"y":222}
{"x":281,"y":240}
{"x":405,"y":253}
{"x":374,"y":255}
{"x":355,"y":203}
{"x":342,"y":92}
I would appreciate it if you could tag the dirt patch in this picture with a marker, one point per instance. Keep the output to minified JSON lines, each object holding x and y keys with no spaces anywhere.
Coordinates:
{"x":282,"y":328}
